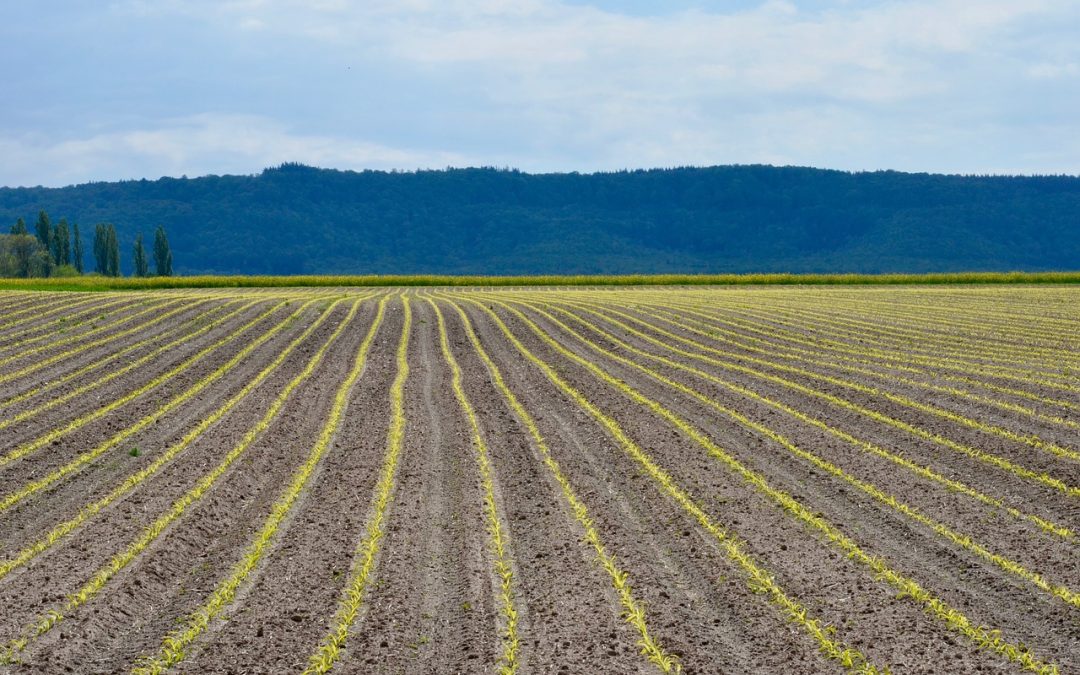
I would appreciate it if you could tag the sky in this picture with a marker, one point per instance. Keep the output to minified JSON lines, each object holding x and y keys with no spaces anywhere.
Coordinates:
{"x":99,"y":90}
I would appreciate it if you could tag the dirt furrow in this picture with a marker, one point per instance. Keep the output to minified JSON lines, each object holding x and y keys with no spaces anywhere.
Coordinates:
{"x":843,"y":594}
{"x":431,"y":608}
{"x":972,"y":582}
{"x":173,"y":576}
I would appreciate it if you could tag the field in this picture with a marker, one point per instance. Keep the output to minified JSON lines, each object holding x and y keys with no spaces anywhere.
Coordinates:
{"x":774,"y":479}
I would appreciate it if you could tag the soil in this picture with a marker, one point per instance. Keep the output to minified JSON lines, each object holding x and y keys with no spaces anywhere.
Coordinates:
{"x":433,"y":604}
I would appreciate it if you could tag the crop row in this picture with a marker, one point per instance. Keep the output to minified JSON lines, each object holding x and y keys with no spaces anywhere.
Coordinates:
{"x":874,"y":491}
{"x":734,"y":362}
{"x":662,"y":353}
{"x":765,"y":334}
{"x":907,"y":587}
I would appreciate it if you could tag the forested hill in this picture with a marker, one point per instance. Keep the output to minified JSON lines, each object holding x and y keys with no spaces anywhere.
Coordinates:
{"x":297,"y":219}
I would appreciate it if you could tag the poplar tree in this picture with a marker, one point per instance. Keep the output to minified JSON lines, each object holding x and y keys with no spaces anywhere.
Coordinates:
{"x":162,"y":254}
{"x":112,"y":251}
{"x":76,"y":249}
{"x":61,"y":248}
{"x":19,"y":227}
{"x":43,"y":229}
{"x":142,"y":268}
{"x":99,"y":248}
{"x":101,"y":256}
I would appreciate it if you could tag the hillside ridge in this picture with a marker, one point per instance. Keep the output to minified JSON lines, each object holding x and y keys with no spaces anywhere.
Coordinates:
{"x":295,"y":219}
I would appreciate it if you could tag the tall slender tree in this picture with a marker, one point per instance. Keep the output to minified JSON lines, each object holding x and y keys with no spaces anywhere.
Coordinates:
{"x":101,"y":254}
{"x":139,"y":262}
{"x":43,"y":229}
{"x":76,"y":249}
{"x":19,"y":227}
{"x":61,"y":244}
{"x":112,"y":252}
{"x":162,"y":253}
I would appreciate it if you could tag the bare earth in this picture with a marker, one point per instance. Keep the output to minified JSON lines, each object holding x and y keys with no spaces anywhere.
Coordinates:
{"x":751,"y":480}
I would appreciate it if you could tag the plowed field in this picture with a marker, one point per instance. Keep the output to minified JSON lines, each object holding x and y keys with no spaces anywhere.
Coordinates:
{"x":773,"y":480}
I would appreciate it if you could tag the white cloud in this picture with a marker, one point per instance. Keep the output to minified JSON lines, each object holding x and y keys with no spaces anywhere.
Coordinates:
{"x":774,"y":47}
{"x":197,"y":145}
{"x":1053,"y":71}
{"x":940,"y":85}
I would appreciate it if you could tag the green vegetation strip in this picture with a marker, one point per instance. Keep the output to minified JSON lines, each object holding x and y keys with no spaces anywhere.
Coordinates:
{"x":19,"y":349}
{"x":926,"y":472}
{"x":964,"y":541}
{"x":775,"y":343}
{"x":206,"y":318}
{"x":96,"y":283}
{"x":758,"y":579}
{"x":975,"y":453}
{"x":74,"y":465}
{"x":107,"y":340}
{"x":44,"y":307}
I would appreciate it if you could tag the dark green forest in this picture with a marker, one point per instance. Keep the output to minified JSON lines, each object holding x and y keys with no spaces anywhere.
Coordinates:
{"x":295,"y":219}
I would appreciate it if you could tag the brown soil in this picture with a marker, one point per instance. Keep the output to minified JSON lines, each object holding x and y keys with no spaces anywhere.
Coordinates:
{"x":433,"y":604}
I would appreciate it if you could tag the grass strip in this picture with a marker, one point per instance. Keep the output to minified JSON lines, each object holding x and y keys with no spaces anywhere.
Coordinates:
{"x":97,"y":283}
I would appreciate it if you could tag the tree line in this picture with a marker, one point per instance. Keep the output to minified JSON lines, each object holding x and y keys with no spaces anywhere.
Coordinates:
{"x":302,"y":220}
{"x":56,"y":250}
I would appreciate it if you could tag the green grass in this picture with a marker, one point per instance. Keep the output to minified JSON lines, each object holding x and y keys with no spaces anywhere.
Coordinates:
{"x":98,"y":283}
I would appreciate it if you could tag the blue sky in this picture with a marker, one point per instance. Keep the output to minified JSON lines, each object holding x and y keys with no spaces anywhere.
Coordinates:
{"x":105,"y":90}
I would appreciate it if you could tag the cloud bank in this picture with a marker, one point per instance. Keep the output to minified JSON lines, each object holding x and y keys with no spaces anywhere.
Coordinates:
{"x":196,"y":86}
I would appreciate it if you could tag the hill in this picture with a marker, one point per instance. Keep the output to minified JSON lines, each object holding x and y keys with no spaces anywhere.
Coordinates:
{"x":295,"y":219}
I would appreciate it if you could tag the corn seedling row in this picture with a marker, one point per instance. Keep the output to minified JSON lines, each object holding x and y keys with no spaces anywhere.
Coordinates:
{"x":979,"y":635}
{"x":30,"y":304}
{"x":135,"y":480}
{"x":632,"y":610}
{"x":48,"y":340}
{"x":925,"y":472}
{"x":101,"y":578}
{"x":106,"y":341}
{"x":365,"y":557}
{"x":497,"y":532}
{"x":81,"y":460}
{"x":1015,"y":374}
{"x":758,"y":579}
{"x":843,"y":332}
{"x":79,"y":391}
{"x":890,"y":501}
{"x":1031,"y":440}
{"x":205,"y":317}
{"x":851,"y":354}
{"x":863,"y":478}
{"x":173,"y":646}
{"x":988,"y":458}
